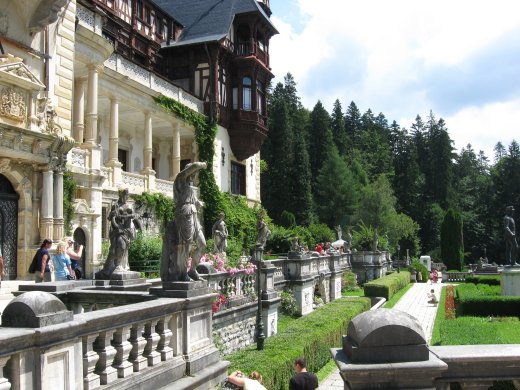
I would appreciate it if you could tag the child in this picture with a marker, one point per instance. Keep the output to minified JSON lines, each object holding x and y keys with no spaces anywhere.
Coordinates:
{"x":433,"y":299}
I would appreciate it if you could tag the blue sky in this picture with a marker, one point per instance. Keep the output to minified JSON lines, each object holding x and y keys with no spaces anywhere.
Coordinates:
{"x":460,"y":59}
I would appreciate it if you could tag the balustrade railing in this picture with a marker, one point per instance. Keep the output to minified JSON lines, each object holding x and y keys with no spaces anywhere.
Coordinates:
{"x":238,"y":288}
{"x":456,"y":276}
{"x":105,"y":347}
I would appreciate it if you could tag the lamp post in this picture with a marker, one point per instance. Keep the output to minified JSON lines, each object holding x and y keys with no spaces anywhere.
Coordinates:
{"x":260,"y":336}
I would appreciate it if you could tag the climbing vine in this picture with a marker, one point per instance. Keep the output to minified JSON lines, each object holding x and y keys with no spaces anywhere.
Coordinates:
{"x":69,"y":194}
{"x":161,"y":206}
{"x":205,"y":133}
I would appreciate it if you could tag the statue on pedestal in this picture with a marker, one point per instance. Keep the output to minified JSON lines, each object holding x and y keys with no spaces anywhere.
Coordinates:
{"x":510,"y":237}
{"x":263,"y":232}
{"x":122,"y":221}
{"x":184,"y":241}
{"x":220,"y":235}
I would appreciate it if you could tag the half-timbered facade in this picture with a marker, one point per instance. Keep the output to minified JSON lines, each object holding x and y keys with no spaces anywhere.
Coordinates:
{"x":77,"y":82}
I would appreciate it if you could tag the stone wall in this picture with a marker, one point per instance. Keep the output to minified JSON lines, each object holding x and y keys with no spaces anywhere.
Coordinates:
{"x":234,"y":329}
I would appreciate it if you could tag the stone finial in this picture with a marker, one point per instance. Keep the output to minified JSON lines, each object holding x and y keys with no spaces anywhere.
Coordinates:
{"x":385,"y":336}
{"x":35,"y":309}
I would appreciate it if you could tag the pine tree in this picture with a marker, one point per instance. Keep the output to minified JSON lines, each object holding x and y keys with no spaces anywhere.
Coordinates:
{"x":320,"y":139}
{"x":338,"y":129}
{"x":452,"y":246}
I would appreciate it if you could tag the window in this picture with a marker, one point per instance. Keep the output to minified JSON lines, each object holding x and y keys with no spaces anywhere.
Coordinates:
{"x":238,"y":179}
{"x":246,"y":93}
{"x":260,"y":97}
{"x":122,"y":157}
{"x":235,"y":98}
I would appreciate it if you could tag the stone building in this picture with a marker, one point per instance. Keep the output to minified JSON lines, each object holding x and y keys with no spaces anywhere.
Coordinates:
{"x":77,"y":85}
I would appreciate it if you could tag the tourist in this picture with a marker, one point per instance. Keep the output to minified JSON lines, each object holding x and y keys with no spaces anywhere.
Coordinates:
{"x":254,"y":382}
{"x":433,"y":298}
{"x":74,"y":255}
{"x":319,"y":248}
{"x":43,"y":270}
{"x":2,"y":267}
{"x":61,"y":260}
{"x":302,"y":380}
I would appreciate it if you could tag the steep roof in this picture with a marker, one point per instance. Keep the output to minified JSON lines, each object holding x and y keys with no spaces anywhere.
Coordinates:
{"x":208,"y":20}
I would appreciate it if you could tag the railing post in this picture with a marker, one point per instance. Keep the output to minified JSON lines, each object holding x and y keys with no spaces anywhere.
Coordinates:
{"x":4,"y":382}
{"x":90,"y":358}
{"x":165,"y":334}
{"x":123,"y":348}
{"x":106,"y":352}
{"x":152,"y":339}
{"x":138,"y":344}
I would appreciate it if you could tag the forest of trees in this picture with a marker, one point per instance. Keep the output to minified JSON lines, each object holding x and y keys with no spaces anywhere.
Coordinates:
{"x":356,"y":170}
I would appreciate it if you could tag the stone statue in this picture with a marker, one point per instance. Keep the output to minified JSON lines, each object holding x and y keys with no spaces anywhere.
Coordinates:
{"x":220,"y":235}
{"x":340,"y":232}
{"x":263,"y":232}
{"x":375,"y":242}
{"x":510,"y":237}
{"x":184,"y":231}
{"x":122,"y":221}
{"x":348,"y":242}
{"x":295,"y":245}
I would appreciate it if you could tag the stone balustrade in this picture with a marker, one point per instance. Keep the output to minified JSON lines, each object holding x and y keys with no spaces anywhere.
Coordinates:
{"x":455,"y":276}
{"x":141,"y":345}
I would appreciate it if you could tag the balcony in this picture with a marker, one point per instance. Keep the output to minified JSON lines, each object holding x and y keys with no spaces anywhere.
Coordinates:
{"x":247,"y":131}
{"x":251,"y":48}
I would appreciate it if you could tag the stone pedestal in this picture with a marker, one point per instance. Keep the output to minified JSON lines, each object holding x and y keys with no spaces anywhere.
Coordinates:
{"x":181,"y":289}
{"x":304,"y":295}
{"x":510,"y":281}
{"x":386,"y":349}
{"x":123,"y":281}
{"x":270,"y":299}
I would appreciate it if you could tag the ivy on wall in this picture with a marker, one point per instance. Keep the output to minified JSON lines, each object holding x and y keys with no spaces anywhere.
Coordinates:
{"x":205,"y":133}
{"x":159,"y":204}
{"x":69,"y":194}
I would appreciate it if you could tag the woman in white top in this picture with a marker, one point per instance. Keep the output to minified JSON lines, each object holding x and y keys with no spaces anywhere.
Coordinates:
{"x":252,"y":383}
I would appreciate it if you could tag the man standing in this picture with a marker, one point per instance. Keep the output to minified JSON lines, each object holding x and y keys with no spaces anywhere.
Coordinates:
{"x":510,"y":237}
{"x":302,"y":380}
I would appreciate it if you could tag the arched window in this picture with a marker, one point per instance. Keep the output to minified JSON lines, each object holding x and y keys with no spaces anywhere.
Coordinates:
{"x":246,"y":93}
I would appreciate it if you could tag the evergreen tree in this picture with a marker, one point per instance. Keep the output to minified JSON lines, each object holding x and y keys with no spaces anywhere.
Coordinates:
{"x":353,"y":124}
{"x":452,"y":246}
{"x":336,"y":191}
{"x":321,"y":139}
{"x":338,"y":129}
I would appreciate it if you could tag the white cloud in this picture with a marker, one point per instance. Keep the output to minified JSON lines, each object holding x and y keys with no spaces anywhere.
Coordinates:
{"x":391,"y":47}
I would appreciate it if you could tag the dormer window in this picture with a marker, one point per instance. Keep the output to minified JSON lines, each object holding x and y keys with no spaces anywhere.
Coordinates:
{"x":246,"y":93}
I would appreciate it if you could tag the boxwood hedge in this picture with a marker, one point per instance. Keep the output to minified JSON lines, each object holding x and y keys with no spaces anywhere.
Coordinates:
{"x":388,"y":285}
{"x":491,"y":280}
{"x":485,"y":300}
{"x":311,"y":336}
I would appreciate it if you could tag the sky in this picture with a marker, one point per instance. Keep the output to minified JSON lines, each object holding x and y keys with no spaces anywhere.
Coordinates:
{"x":459,"y":59}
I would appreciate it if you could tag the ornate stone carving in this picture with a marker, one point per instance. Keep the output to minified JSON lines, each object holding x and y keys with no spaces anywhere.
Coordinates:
{"x":46,"y":117}
{"x":12,"y":104}
{"x":46,"y":13}
{"x":4,"y":164}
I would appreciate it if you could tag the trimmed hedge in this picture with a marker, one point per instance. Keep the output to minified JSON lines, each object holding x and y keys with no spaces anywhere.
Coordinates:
{"x":490,"y":280}
{"x":388,"y":285}
{"x":311,"y":336}
{"x":485,"y":300}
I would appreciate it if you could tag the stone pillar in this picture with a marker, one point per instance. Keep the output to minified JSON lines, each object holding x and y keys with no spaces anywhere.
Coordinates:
{"x":79,"y":110}
{"x":114,"y":130}
{"x":114,"y":143}
{"x":47,"y":207}
{"x":92,"y":106}
{"x":58,"y":205}
{"x":90,"y":358}
{"x":4,"y":382}
{"x":147,"y":151}
{"x":176,"y":151}
{"x":123,"y":348}
{"x":270,"y":299}
{"x":106,"y":353}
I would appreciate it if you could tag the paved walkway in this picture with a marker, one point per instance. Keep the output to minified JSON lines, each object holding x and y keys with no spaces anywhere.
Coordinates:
{"x":414,"y":302}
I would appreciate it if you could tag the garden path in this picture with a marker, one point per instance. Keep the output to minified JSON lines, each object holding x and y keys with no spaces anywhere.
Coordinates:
{"x":414,"y":302}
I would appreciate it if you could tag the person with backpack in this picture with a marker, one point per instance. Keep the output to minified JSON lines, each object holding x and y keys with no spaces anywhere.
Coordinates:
{"x":42,"y":272}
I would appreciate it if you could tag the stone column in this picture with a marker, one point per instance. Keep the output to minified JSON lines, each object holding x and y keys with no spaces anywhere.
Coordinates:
{"x":147,"y":151}
{"x":4,"y":382}
{"x":79,"y":110}
{"x":176,"y":151}
{"x":114,"y":142}
{"x":114,"y":130}
{"x":92,"y":106}
{"x":47,"y":207}
{"x":58,"y":205}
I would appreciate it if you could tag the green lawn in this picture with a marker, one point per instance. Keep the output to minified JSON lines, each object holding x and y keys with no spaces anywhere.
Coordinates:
{"x":474,"y":330}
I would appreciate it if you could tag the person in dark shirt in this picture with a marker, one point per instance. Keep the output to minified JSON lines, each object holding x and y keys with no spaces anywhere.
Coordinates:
{"x":43,"y":270}
{"x":302,"y":380}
